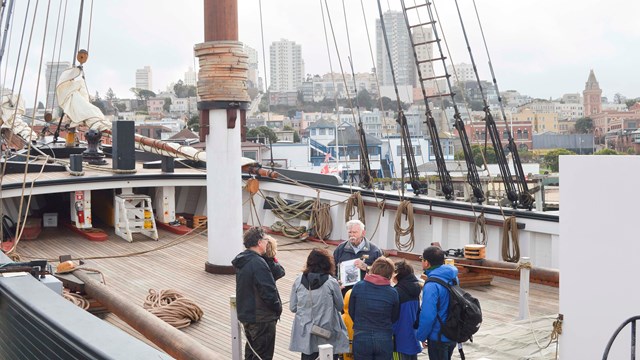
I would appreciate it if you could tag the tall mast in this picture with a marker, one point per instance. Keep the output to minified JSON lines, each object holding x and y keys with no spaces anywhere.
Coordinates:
{"x":223,"y":103}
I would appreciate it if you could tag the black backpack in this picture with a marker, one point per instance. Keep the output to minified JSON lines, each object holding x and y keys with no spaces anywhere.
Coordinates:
{"x":464,"y":315}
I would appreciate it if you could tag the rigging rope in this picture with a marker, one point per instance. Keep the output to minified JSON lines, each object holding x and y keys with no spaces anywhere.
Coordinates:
{"x":172,"y":307}
{"x":404,"y":208}
{"x":510,"y":237}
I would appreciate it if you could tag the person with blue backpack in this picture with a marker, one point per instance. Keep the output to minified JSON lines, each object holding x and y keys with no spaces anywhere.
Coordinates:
{"x":435,"y":304}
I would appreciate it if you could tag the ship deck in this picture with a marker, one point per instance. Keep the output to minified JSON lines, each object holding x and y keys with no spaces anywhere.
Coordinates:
{"x":181,"y":267}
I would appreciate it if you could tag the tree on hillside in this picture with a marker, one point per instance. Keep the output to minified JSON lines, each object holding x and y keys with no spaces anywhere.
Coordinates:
{"x":552,"y":161}
{"x":183,"y":91}
{"x":584,"y":125}
{"x":194,"y":123}
{"x":111,"y":96}
{"x":263,"y":132}
{"x":365,"y":100}
{"x":606,"y":152}
{"x":167,"y":104}
{"x":40,"y":105}
{"x":97,"y":102}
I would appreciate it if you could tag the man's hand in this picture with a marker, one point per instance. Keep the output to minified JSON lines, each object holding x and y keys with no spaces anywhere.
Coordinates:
{"x":360,"y":265}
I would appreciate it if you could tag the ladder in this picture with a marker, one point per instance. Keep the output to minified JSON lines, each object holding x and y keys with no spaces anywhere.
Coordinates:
{"x":133,"y":214}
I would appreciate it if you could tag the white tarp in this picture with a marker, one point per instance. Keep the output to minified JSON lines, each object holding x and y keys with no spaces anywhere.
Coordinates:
{"x":11,"y":111}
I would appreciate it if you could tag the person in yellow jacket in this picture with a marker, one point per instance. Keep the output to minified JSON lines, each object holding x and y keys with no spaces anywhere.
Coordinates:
{"x":349,"y":323}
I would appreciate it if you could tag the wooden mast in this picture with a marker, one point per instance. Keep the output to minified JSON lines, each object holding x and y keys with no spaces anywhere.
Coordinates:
{"x":223,"y":100}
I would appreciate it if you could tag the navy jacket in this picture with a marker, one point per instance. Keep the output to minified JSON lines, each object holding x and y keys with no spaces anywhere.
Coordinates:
{"x":405,"y":338}
{"x":374,"y":305}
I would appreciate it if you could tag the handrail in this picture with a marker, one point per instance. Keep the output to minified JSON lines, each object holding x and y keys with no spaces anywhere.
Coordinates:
{"x":631,"y":320}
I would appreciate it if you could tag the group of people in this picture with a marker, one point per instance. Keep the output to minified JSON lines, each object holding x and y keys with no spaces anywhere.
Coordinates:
{"x":379,"y":317}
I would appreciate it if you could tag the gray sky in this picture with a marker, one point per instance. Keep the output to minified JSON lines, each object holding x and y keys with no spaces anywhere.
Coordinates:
{"x":541,"y":48}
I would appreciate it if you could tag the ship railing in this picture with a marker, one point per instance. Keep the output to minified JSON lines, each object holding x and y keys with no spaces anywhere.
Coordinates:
{"x":630,"y":321}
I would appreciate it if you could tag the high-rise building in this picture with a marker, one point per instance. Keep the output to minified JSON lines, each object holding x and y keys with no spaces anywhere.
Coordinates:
{"x":190,"y":77}
{"x":143,"y":78}
{"x":463,"y":71}
{"x":52,"y":74}
{"x":422,"y":35}
{"x":286,"y":65}
{"x":400,"y":49}
{"x":592,"y":95}
{"x":253,"y":66}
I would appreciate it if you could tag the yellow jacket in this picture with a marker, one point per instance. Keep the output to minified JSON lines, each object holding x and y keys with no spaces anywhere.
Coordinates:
{"x":349,"y":323}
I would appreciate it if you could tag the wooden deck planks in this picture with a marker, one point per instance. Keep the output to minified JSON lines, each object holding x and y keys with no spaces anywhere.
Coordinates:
{"x":181,"y":267}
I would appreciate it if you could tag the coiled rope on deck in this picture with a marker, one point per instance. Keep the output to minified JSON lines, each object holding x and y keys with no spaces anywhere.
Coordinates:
{"x":404,"y":208}
{"x":77,"y":299}
{"x":510,"y":237}
{"x":172,"y":307}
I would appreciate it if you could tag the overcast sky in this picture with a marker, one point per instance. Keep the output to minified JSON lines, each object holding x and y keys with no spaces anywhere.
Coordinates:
{"x":541,"y":48}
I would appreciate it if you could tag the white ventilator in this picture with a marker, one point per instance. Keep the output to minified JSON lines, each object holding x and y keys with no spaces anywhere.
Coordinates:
{"x":11,"y":112}
{"x":73,"y":96}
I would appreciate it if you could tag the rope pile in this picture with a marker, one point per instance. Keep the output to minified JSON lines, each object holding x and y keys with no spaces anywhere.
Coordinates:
{"x":172,"y":307}
{"x":404,"y":208}
{"x":290,"y":231}
{"x":223,"y":71}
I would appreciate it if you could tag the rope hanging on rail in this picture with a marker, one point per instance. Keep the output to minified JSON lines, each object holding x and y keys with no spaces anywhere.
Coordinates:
{"x":321,"y":222}
{"x":354,"y":203}
{"x":404,"y":208}
{"x":510,"y":243}
{"x":480,"y":229}
{"x":173,"y":308}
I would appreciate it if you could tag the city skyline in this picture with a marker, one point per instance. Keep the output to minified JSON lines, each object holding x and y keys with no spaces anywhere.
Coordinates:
{"x":535,"y":51}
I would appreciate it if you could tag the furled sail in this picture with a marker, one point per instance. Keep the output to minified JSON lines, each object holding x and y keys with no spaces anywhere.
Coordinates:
{"x":11,"y":112}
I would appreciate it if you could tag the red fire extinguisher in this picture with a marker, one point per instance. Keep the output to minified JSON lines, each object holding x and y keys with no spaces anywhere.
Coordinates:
{"x":79,"y":206}
{"x":80,"y":211}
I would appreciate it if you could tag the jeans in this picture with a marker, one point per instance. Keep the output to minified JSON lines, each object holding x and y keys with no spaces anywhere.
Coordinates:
{"x":402,"y":356}
{"x":438,"y":350}
{"x":372,"y":345}
{"x":262,"y":338}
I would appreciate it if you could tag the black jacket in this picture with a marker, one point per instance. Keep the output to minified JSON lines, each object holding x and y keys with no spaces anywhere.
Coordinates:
{"x":257,"y":296}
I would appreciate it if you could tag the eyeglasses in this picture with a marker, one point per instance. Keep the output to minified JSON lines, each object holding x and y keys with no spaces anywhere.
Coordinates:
{"x":421,"y":258}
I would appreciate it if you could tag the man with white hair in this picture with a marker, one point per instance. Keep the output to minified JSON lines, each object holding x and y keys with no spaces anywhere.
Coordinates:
{"x":358,"y":248}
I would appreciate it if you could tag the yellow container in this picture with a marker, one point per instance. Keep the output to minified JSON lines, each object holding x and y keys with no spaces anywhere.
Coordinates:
{"x":449,"y":262}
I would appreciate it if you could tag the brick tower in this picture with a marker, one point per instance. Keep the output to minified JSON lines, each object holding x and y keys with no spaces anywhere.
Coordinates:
{"x":592,"y":95}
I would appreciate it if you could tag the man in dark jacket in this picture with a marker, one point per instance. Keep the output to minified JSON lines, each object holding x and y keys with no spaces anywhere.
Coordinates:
{"x":258,"y":302}
{"x":359,"y":248}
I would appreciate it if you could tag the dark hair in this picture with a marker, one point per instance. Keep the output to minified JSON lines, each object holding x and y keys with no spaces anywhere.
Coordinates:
{"x":319,"y":261}
{"x":403,"y":270}
{"x":252,"y":236}
{"x":383,"y":266}
{"x":434,"y":255}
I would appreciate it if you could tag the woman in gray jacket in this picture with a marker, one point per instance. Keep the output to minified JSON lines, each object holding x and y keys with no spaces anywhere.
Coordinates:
{"x":317,"y":301}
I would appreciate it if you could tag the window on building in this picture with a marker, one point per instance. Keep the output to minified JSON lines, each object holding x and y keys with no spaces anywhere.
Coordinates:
{"x":251,"y":154}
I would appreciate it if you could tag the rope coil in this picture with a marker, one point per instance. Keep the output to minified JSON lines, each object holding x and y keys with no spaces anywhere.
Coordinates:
{"x":172,"y":307}
{"x":404,"y":208}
